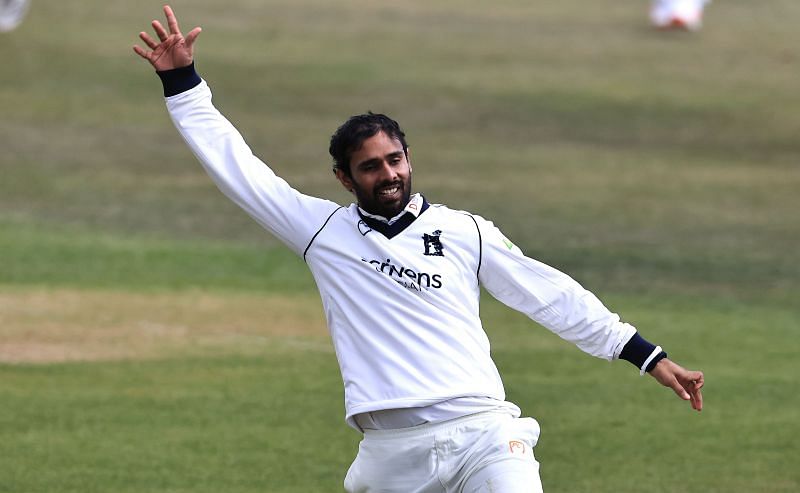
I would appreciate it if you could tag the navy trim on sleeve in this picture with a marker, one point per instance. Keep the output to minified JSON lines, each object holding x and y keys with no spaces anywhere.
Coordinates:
{"x":319,"y":231}
{"x":480,"y":248}
{"x":636,"y":350}
{"x":178,"y":80}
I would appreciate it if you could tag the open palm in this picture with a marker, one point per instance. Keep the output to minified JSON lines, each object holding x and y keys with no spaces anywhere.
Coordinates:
{"x":174,"y":50}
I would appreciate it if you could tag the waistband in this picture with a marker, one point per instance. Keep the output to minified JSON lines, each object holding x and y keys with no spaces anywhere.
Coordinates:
{"x":429,"y":429}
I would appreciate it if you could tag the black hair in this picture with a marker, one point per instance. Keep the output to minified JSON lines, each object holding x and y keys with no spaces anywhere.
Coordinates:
{"x":349,"y":137}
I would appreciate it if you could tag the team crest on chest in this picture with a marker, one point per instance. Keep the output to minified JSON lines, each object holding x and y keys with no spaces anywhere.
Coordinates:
{"x":363,"y":228}
{"x":433,"y":244}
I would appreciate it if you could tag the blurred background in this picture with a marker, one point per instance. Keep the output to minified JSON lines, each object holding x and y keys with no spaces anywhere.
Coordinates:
{"x":154,"y":338}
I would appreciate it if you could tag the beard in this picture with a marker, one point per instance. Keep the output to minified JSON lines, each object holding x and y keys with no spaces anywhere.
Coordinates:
{"x":388,"y":207}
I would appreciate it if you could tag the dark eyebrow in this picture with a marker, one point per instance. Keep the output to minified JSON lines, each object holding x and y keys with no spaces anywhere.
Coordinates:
{"x":364,"y":164}
{"x":377,"y":160}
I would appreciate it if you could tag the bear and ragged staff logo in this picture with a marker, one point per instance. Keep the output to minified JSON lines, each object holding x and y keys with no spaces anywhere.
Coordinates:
{"x":433,"y":244}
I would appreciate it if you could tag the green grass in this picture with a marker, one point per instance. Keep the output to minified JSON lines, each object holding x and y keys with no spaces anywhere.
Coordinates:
{"x":273,"y":422}
{"x":82,"y":259}
{"x":660,"y":170}
{"x":178,"y":425}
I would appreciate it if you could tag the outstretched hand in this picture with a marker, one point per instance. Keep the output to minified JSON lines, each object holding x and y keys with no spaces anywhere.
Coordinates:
{"x":174,"y":50}
{"x":686,"y":384}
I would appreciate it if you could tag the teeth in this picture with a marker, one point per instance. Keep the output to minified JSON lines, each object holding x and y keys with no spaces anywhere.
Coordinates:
{"x":389,"y":191}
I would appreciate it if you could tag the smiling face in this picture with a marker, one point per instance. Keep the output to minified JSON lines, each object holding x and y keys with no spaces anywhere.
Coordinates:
{"x":380,"y":176}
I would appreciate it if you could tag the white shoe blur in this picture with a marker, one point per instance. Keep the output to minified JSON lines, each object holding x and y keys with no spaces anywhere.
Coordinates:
{"x":677,"y":14}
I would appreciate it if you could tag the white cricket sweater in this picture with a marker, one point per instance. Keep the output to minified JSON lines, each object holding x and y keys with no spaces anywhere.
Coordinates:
{"x":401,"y":301}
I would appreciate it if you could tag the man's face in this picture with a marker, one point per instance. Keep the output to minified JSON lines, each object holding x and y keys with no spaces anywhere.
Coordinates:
{"x":381,"y":176}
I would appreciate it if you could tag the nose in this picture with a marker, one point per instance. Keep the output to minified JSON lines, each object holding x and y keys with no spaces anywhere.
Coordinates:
{"x":388,"y":173}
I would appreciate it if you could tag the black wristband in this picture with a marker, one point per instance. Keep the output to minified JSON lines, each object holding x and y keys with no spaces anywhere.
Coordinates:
{"x":178,"y":80}
{"x":637,"y":350}
{"x":655,"y":360}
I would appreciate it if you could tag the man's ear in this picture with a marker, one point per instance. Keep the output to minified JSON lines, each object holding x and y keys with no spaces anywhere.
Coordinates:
{"x":345,"y":180}
{"x":408,"y":158}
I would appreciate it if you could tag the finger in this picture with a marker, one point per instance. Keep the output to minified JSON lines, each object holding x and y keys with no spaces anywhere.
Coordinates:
{"x":694,"y":389}
{"x":679,"y":390}
{"x":148,"y":40}
{"x":141,"y":52}
{"x":172,"y":22}
{"x":160,"y":31}
{"x":697,"y":400}
{"x":193,"y":34}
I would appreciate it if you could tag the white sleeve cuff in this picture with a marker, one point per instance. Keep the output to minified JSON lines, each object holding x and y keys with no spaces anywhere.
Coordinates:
{"x":655,"y":353}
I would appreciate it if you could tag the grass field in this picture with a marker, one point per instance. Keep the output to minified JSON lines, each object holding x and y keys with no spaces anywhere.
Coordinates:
{"x":155,"y":339}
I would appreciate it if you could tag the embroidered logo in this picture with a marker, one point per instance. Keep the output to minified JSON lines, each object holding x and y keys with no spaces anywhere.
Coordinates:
{"x":433,"y":245}
{"x":515,"y":446}
{"x":363,"y":228}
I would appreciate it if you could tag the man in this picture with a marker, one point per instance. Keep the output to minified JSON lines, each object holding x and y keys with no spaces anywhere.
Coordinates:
{"x":677,"y":14}
{"x":12,"y":12}
{"x":400,"y":283}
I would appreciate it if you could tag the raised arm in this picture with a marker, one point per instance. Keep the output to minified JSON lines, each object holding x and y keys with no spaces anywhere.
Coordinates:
{"x":288,"y":214}
{"x":174,"y":50}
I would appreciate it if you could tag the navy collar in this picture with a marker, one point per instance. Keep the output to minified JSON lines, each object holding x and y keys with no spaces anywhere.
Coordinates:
{"x":394,"y":229}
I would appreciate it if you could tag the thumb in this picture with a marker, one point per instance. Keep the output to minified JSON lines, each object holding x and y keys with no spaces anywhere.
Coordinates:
{"x":679,"y":390}
{"x":192,"y":36}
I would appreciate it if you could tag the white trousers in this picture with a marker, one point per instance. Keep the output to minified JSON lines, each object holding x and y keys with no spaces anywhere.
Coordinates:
{"x":484,"y":452}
